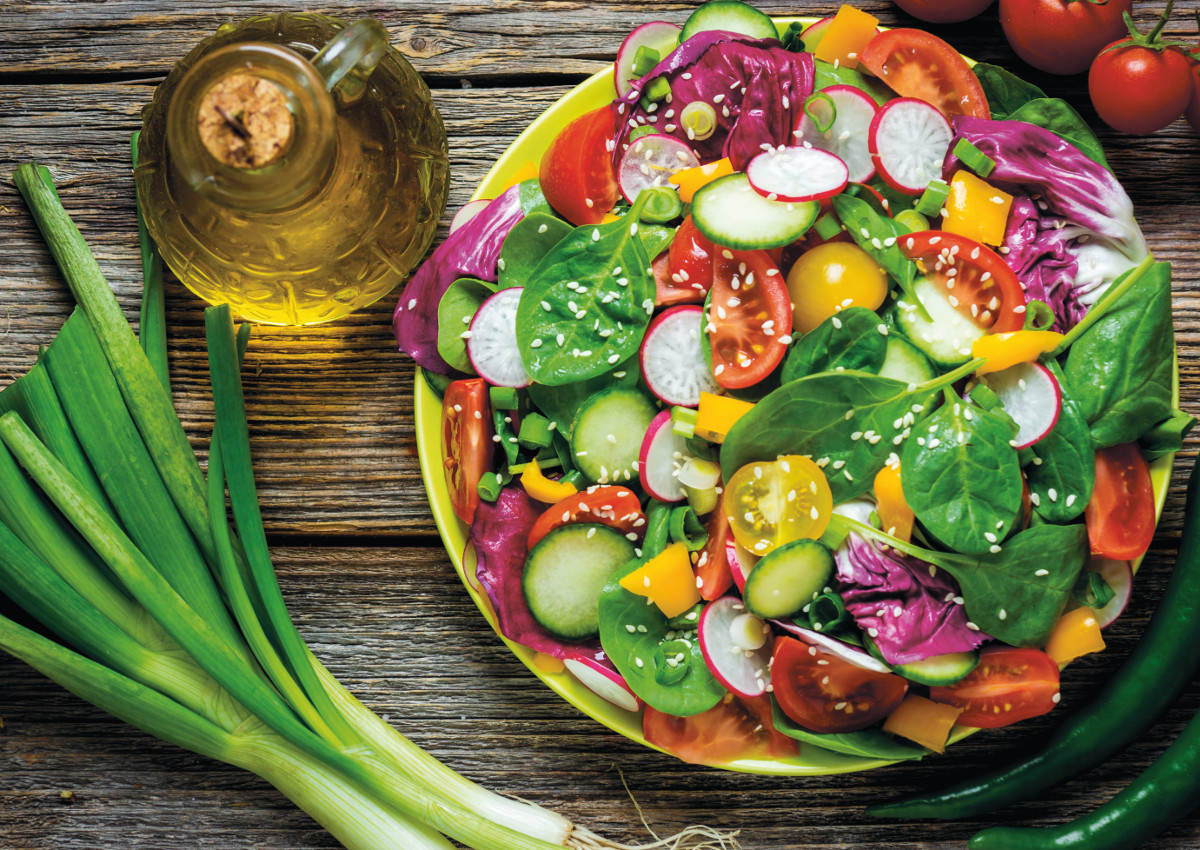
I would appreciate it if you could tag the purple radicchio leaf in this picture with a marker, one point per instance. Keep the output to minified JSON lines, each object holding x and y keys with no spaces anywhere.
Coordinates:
{"x":756,"y":88}
{"x":470,"y":251}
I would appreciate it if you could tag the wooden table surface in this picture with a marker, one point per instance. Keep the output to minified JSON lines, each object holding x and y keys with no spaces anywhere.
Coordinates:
{"x":357,"y":551}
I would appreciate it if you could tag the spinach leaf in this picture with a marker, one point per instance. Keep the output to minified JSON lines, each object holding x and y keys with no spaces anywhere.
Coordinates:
{"x":1063,"y":470}
{"x":560,"y":403}
{"x":1060,"y":118}
{"x":848,"y":340}
{"x":962,"y":478}
{"x":526,"y":244}
{"x":587,"y":303}
{"x":877,"y":235}
{"x":1167,"y":436}
{"x":1120,"y":368}
{"x":868,"y":743}
{"x":529,"y":192}
{"x":1005,"y":91}
{"x":827,"y":75}
{"x":656,"y":238}
{"x":458,"y":305}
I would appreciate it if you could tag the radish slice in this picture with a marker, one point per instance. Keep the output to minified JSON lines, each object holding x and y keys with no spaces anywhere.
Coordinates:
{"x":797,"y":173}
{"x":656,"y":35}
{"x":844,"y":651}
{"x":741,"y":561}
{"x":1031,"y":396}
{"x":466,"y":213}
{"x":601,"y":678}
{"x":847,"y":137}
{"x":1118,"y":575}
{"x":650,"y":161}
{"x":908,"y":140}
{"x":492,"y":345}
{"x":672,"y":358}
{"x":661,"y":456}
{"x":812,"y":34}
{"x":736,"y":646}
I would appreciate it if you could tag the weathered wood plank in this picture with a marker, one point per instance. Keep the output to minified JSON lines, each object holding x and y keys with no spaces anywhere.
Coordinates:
{"x":399,"y":630}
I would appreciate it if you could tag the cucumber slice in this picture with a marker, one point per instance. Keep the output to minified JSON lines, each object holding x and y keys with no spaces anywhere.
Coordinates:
{"x":939,"y":669}
{"x":729,"y":212}
{"x":730,"y":16}
{"x":947,"y":339}
{"x":606,"y":437}
{"x":566,"y":573}
{"x":904,"y":361}
{"x":788,"y":578}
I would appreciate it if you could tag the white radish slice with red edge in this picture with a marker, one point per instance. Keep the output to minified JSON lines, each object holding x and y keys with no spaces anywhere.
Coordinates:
{"x":908,"y":140}
{"x":467,"y":212}
{"x":602,"y":679}
{"x":660,"y":36}
{"x":1031,"y":396}
{"x":736,"y":646}
{"x":741,"y":561}
{"x":663,"y":452}
{"x":650,"y":161}
{"x":672,"y":357}
{"x":844,"y":651}
{"x":846,"y":138}
{"x":492,"y":344}
{"x":1118,"y":575}
{"x":797,"y":173}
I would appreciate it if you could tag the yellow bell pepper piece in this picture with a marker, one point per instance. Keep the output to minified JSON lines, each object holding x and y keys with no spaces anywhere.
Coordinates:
{"x":667,"y":580}
{"x":1009,"y":349}
{"x":923,"y":721}
{"x":1076,"y":633}
{"x":543,"y":489}
{"x":716,"y":414}
{"x":848,"y":34}
{"x":895,"y":515}
{"x":691,"y":180}
{"x":976,"y":209}
{"x":547,"y":663}
{"x":527,"y":171}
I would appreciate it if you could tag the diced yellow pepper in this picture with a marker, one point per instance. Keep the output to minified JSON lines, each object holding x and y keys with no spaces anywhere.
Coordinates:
{"x":543,"y":489}
{"x":895,"y":515}
{"x":691,"y":180}
{"x":848,"y":34}
{"x":923,"y":721}
{"x":609,"y":218}
{"x":547,"y":663}
{"x":1076,"y":633}
{"x":667,"y":580}
{"x":976,"y":209}
{"x":1008,"y":349}
{"x":528,"y":171}
{"x":716,"y":414}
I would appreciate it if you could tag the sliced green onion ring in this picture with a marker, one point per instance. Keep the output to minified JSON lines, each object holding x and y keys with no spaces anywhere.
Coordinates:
{"x":821,"y":110}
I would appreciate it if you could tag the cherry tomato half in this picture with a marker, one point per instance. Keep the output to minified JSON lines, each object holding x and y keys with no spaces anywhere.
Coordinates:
{"x":609,"y":504}
{"x":690,"y":267}
{"x":467,"y":446}
{"x":985,"y":288}
{"x":749,"y":317}
{"x":831,"y":277}
{"x":577,"y":175}
{"x":916,"y":64}
{"x":824,"y":693}
{"x":1140,"y":90}
{"x":1062,"y":36}
{"x":1010,"y":684}
{"x":771,"y":503}
{"x":734,"y":728}
{"x":711,"y":566}
{"x":1120,"y":514}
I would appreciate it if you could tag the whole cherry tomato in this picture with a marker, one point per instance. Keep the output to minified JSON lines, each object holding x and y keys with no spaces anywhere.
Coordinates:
{"x":943,"y":11}
{"x":1140,"y":88}
{"x":1062,"y":36}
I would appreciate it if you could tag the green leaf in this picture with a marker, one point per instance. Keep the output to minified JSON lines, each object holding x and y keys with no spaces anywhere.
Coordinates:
{"x":560,"y":403}
{"x":847,"y":341}
{"x":1120,"y":368}
{"x":1063,"y":462}
{"x":868,"y":743}
{"x":587,"y":304}
{"x":1005,"y":91}
{"x":532,"y":200}
{"x":877,"y":235}
{"x":1167,"y":436}
{"x":526,"y":244}
{"x":656,"y":238}
{"x":1060,"y":118}
{"x":459,"y":304}
{"x":962,"y":478}
{"x":826,"y":75}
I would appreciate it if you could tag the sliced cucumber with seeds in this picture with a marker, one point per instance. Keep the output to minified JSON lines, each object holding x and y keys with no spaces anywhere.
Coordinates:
{"x":606,"y":436}
{"x":947,"y":339}
{"x":939,"y":669}
{"x":730,"y":16}
{"x":788,"y":578}
{"x":905,"y":362}
{"x":729,"y":212}
{"x":566,"y":573}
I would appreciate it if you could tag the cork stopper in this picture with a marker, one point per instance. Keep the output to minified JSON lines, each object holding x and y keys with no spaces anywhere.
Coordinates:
{"x":244,"y":121}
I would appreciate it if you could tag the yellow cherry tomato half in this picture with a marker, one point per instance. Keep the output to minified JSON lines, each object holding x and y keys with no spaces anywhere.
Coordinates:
{"x":831,"y":277}
{"x":772,"y":503}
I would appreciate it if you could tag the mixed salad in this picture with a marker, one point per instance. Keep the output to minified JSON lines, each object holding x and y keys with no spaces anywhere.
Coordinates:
{"x":807,"y":392}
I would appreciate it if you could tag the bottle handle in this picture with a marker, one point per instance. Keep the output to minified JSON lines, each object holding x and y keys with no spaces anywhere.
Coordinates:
{"x":347,"y":61}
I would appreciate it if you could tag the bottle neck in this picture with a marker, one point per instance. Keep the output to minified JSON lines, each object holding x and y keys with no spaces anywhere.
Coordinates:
{"x":252,"y":127}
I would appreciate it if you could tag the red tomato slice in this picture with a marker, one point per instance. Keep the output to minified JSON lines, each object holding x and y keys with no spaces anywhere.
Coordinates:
{"x":916,"y":64}
{"x":713,"y":575}
{"x":1120,"y":514}
{"x":749,"y":317}
{"x":467,"y":446}
{"x":986,"y":289}
{"x":690,"y":266}
{"x":608,"y":504}
{"x":824,"y":693}
{"x":1010,"y":684}
{"x":577,"y":175}
{"x":732,"y":729}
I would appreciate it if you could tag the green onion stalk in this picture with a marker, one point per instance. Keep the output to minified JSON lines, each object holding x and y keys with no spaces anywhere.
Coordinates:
{"x":169,"y":615}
